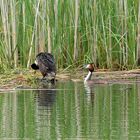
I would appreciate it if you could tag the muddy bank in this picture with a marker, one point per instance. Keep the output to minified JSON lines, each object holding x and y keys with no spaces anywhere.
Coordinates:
{"x":29,"y":79}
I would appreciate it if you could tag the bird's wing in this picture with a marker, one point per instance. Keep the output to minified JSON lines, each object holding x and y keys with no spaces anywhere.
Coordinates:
{"x":47,"y":60}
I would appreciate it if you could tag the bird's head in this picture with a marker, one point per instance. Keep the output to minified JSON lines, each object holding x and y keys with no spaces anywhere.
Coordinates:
{"x":34,"y":66}
{"x":90,"y":67}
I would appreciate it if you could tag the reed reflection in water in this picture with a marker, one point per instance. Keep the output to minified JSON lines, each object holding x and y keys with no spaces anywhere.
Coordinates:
{"x":67,"y":110}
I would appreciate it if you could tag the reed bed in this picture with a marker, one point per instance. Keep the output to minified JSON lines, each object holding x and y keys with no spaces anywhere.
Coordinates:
{"x":75,"y":31}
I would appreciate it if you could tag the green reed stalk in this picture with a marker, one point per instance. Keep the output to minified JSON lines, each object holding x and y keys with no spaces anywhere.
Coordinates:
{"x":75,"y":30}
{"x":138,"y":34}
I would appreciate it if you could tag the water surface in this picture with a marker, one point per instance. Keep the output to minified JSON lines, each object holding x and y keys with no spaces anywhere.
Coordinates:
{"x":72,"y":110}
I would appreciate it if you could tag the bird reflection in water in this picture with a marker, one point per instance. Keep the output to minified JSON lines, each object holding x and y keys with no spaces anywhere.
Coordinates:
{"x":89,"y":88}
{"x":45,"y":99}
{"x":46,"y":96}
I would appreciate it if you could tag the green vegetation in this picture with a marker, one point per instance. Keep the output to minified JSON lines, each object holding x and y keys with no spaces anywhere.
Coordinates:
{"x":75,"y":31}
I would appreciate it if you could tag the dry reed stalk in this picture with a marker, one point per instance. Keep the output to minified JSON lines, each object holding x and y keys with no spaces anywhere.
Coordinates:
{"x":6,"y":27}
{"x":94,"y":56}
{"x":122,"y":51}
{"x":42,"y":31}
{"x":48,"y":29}
{"x":125,"y":28}
{"x":33,"y":34}
{"x":110,"y":42}
{"x":110,"y":35}
{"x":56,"y":13}
{"x":14,"y":35}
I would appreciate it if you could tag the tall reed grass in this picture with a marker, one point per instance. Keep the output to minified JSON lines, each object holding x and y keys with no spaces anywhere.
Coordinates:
{"x":75,"y":31}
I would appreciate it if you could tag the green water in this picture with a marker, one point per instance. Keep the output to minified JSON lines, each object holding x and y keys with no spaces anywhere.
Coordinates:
{"x":70,"y":110}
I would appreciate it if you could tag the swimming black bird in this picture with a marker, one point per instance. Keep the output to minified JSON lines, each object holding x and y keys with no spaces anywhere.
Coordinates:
{"x":45,"y":62}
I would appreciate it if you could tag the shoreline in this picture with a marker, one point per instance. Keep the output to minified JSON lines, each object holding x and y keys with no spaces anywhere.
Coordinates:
{"x":29,"y":78}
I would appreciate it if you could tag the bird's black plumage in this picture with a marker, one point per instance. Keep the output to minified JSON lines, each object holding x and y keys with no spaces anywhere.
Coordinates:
{"x":45,"y":62}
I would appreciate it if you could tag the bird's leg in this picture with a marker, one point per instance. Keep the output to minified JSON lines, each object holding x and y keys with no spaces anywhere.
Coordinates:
{"x":35,"y":72}
{"x":53,"y":80}
{"x":43,"y":78}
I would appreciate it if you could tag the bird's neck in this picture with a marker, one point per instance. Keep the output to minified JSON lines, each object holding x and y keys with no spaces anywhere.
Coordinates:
{"x":88,"y":77}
